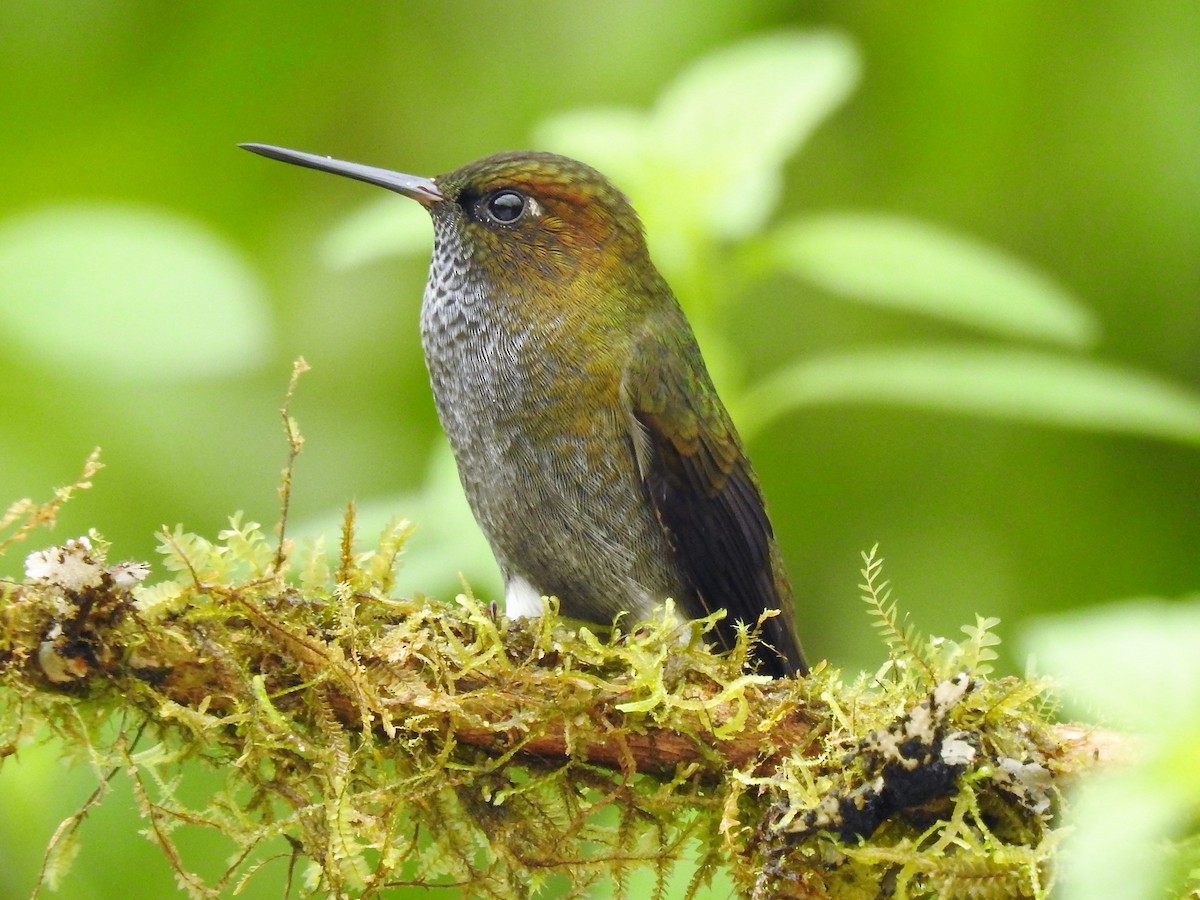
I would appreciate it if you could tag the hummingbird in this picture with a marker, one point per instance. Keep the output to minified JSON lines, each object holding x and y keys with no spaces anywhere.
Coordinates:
{"x":590,"y":441}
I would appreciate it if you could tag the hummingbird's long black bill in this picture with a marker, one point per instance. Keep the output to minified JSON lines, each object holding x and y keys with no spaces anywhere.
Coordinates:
{"x":423,"y":190}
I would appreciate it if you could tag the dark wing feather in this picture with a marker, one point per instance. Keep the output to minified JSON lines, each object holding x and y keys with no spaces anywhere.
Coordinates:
{"x":706,"y":495}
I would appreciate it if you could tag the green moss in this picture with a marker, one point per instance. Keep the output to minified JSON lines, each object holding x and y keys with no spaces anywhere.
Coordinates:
{"x":389,"y":740}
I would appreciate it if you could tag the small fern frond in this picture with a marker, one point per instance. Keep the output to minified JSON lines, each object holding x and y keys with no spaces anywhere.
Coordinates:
{"x":977,"y":652}
{"x":902,"y":639}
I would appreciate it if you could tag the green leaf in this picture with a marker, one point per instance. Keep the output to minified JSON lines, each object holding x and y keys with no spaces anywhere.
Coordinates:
{"x":1160,"y":637}
{"x":706,"y":163}
{"x":1133,"y":665}
{"x":731,"y":121}
{"x":117,"y":292}
{"x":900,"y":263}
{"x":387,"y":226}
{"x":1119,"y":824}
{"x":1001,"y":383}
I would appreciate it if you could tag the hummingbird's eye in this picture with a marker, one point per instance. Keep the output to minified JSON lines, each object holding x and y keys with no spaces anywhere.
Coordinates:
{"x":505,"y":207}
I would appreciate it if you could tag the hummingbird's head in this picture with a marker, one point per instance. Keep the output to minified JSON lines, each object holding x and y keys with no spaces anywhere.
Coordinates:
{"x":539,"y":213}
{"x":521,"y":215}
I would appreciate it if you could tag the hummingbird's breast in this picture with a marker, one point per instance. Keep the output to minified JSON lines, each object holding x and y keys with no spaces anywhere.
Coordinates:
{"x":529,"y":399}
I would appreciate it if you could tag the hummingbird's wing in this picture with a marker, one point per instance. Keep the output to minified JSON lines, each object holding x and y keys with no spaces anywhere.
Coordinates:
{"x":704,"y":492}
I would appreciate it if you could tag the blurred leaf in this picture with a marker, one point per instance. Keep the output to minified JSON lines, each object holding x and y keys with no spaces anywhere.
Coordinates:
{"x":730,"y":122}
{"x":1158,"y":637}
{"x":895,"y":262}
{"x":387,"y":226}
{"x":117,"y":292}
{"x":1118,"y":824}
{"x":1132,"y":665}
{"x":1002,"y":383}
{"x":707,"y":162}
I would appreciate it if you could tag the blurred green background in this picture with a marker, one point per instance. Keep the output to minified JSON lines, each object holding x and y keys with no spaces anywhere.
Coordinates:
{"x":156,"y":283}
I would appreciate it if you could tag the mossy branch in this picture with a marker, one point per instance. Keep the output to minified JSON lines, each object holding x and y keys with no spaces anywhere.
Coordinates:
{"x":390,"y":739}
{"x":375,"y":740}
